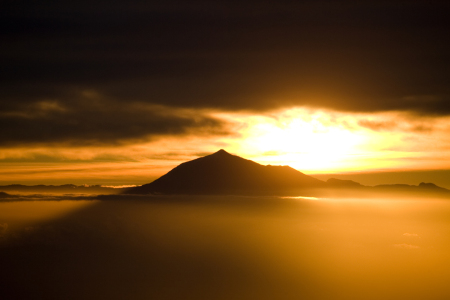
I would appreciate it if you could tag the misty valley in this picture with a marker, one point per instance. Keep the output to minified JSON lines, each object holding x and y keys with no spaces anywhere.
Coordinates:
{"x":225,"y":247}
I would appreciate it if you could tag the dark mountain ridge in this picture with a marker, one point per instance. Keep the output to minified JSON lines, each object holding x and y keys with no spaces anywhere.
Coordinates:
{"x":59,"y":189}
{"x":224,"y":173}
{"x":422,"y":187}
{"x":339,"y":183}
{"x":4,"y":195}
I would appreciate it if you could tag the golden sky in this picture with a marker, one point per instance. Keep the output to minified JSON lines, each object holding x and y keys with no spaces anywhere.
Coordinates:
{"x":122,"y":95}
{"x":312,"y":141}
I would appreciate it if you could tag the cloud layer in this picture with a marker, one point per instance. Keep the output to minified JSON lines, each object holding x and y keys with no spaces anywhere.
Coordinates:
{"x":158,"y":67}
{"x":90,"y":120}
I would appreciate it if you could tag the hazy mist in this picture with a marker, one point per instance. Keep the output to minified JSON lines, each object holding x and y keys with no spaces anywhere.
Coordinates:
{"x":224,"y":247}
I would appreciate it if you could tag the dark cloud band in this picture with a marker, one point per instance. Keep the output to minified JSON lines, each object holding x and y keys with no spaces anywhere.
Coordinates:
{"x":97,"y":122}
{"x":351,"y":56}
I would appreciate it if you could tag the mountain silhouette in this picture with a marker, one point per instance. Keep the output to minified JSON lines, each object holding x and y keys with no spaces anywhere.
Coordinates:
{"x":422,"y":187}
{"x":339,"y":183}
{"x":224,"y":173}
{"x":4,"y":195}
{"x":59,"y":189}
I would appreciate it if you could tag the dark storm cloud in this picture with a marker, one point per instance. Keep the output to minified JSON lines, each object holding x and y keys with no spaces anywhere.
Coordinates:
{"x":346,"y":55}
{"x":93,"y":121}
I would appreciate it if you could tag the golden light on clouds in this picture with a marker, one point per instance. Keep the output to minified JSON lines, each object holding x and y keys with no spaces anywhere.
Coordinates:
{"x":331,"y":142}
{"x":311,"y":141}
{"x":301,"y":141}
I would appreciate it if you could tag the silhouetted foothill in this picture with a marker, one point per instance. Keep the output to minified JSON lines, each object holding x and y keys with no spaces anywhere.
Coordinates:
{"x":4,"y":195}
{"x":224,"y":173}
{"x":431,"y":186}
{"x":339,"y":183}
{"x":427,"y":185}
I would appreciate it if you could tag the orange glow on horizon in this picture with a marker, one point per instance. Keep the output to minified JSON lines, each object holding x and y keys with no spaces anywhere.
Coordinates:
{"x":331,"y":142}
{"x":311,"y":141}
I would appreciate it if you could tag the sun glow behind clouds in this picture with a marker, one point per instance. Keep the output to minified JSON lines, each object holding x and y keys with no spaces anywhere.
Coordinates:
{"x":311,"y":141}
{"x":304,"y":144}
{"x":300,"y":139}
{"x":323,"y":141}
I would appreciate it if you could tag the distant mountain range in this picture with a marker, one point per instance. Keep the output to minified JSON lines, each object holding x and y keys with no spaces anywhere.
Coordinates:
{"x":226,"y":174}
{"x":60,"y":189}
{"x":222,"y":173}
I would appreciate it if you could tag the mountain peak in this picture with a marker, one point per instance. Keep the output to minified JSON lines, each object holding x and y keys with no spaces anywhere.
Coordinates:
{"x":221,"y":152}
{"x":225,"y":173}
